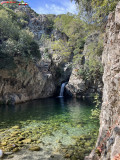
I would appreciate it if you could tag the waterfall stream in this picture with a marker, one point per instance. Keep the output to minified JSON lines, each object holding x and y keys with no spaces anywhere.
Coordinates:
{"x":62,"y":89}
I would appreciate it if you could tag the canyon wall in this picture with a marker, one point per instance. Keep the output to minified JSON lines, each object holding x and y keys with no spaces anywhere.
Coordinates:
{"x":79,"y":86}
{"x":108,"y":143}
{"x":34,"y":78}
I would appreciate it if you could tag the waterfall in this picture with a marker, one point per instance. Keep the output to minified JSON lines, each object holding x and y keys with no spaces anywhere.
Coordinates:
{"x":62,"y":89}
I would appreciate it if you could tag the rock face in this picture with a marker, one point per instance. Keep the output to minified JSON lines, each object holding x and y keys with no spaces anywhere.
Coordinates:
{"x":26,"y":82}
{"x":34,"y":79}
{"x":77,"y":86}
{"x":108,"y":144}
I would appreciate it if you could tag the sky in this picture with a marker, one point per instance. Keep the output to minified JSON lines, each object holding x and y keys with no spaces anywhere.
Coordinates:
{"x":52,"y":6}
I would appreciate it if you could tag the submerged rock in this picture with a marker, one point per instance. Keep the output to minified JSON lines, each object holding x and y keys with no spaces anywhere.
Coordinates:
{"x":27,"y":141}
{"x":3,"y":143}
{"x":15,"y":127}
{"x":35,"y":148}
{"x":15,"y":149}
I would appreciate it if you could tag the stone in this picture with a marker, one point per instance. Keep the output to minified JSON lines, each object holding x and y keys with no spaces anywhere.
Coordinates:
{"x":8,"y":153}
{"x":14,"y":134}
{"x":20,"y":138}
{"x":4,"y":143}
{"x":35,"y":148}
{"x":10,"y":156}
{"x":27,"y":141}
{"x":67,"y":155}
{"x":15,"y":127}
{"x":15,"y":150}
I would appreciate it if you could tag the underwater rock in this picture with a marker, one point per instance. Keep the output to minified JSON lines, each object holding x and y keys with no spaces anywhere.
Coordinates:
{"x":15,"y":150}
{"x":8,"y":153}
{"x":4,"y":143}
{"x":15,"y":127}
{"x":10,"y":156}
{"x":20,"y":138}
{"x":35,"y":148}
{"x":67,"y":155}
{"x":14,"y":134}
{"x":27,"y":141}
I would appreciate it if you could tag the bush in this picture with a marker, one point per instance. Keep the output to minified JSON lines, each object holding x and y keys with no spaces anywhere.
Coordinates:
{"x":95,"y":113}
{"x":8,"y":28}
{"x":6,"y":61}
{"x":13,"y":40}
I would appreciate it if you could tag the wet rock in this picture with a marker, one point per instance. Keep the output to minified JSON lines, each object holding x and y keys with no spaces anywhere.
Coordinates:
{"x":15,"y":150}
{"x":4,"y":143}
{"x":67,"y":155}
{"x":11,"y":146}
{"x":64,"y":131}
{"x":27,"y":141}
{"x":20,"y":138}
{"x":15,"y":127}
{"x":14,"y":134}
{"x":35,"y":148}
{"x":10,"y":156}
{"x":8,"y":153}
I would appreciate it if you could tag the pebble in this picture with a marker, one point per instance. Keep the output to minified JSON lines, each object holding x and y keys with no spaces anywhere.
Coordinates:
{"x":7,"y":153}
{"x":35,"y":148}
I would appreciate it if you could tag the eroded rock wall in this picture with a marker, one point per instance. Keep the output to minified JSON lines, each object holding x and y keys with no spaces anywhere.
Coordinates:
{"x":108,"y":144}
{"x":35,"y":78}
{"x":78,"y":86}
{"x":27,"y":82}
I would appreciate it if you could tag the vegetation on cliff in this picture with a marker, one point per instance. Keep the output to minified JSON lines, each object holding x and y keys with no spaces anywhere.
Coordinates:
{"x":15,"y":39}
{"x":96,"y":12}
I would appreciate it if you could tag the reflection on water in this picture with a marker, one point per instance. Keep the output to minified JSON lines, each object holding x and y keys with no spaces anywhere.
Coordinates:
{"x":44,"y":109}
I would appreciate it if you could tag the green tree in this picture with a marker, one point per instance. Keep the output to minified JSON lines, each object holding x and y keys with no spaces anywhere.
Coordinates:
{"x":94,"y":11}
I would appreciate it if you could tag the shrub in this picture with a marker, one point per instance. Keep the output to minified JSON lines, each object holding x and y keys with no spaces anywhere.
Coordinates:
{"x":95,"y":113}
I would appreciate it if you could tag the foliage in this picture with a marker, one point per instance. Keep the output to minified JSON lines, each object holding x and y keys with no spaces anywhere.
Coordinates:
{"x":6,"y":61}
{"x":92,"y":68}
{"x":62,"y":48}
{"x":14,"y":40}
{"x":8,"y":28}
{"x":96,"y":112}
{"x":50,"y":26}
{"x":44,"y":38}
{"x":62,"y":22}
{"x":74,"y":29}
{"x":94,"y":11}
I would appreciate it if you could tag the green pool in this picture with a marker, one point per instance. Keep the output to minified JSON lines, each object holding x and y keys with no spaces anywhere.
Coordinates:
{"x":59,"y":123}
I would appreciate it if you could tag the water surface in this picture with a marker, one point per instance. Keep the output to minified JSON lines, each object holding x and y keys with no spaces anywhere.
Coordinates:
{"x":56,"y":122}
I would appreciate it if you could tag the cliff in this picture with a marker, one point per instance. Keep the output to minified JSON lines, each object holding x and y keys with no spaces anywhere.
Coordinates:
{"x":108,"y":143}
{"x":30,"y":77}
{"x":83,"y":82}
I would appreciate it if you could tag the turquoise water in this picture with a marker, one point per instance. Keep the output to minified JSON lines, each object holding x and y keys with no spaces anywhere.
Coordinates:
{"x":55,"y":122}
{"x":45,"y":109}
